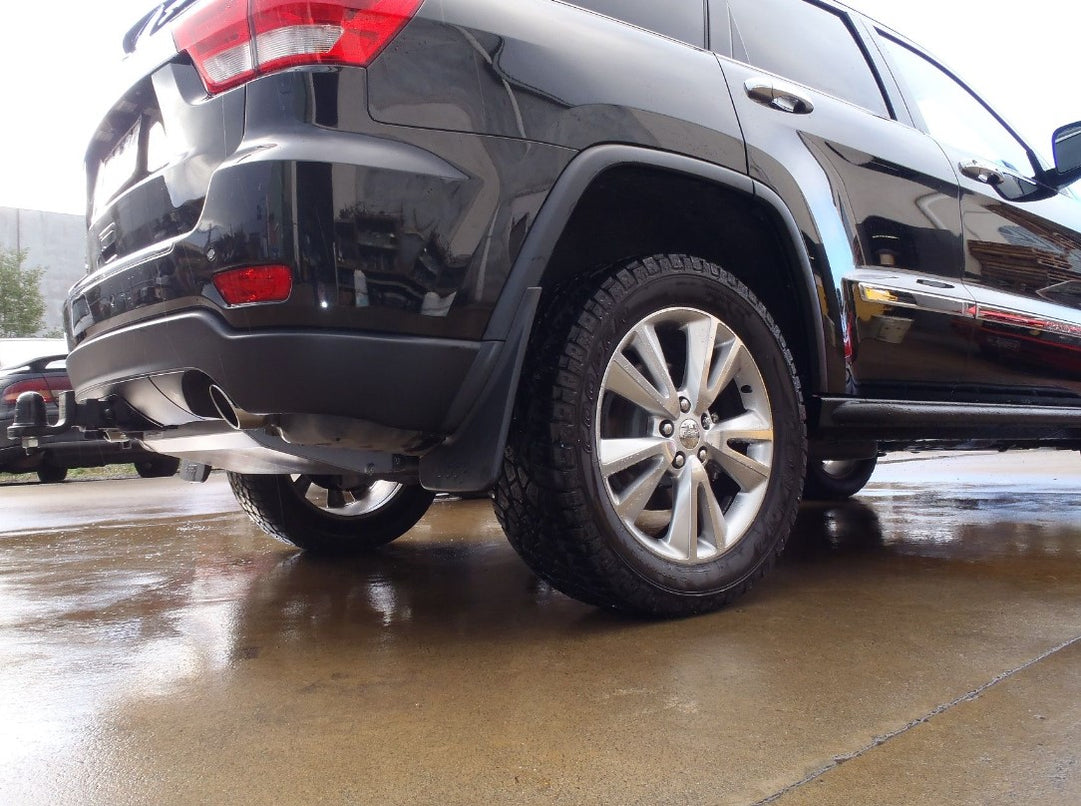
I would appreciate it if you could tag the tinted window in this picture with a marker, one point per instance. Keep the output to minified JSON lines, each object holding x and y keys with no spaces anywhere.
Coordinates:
{"x":684,"y":20}
{"x":800,"y":41}
{"x":953,"y":115}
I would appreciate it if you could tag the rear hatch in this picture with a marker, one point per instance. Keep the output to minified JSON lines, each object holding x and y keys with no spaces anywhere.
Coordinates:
{"x":150,"y":160}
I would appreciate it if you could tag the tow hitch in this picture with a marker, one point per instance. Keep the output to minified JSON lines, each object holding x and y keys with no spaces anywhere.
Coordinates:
{"x":32,"y":419}
{"x":114,"y":419}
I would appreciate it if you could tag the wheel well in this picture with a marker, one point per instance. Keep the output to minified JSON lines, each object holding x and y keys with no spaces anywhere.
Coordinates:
{"x":635,"y":211}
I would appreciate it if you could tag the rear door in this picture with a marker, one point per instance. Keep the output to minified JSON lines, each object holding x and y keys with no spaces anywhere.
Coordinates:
{"x":876,"y":199}
{"x":1022,"y":241}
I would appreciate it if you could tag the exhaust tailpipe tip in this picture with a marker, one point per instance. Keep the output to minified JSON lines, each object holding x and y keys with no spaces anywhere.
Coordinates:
{"x":236,"y":417}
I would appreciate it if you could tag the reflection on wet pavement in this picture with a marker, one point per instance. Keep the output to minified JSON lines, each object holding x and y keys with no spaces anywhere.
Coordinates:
{"x":190,"y":659}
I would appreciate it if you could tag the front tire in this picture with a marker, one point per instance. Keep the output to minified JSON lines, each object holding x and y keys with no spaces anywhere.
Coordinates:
{"x":837,"y":479}
{"x":330,"y":514}
{"x":52,"y":474}
{"x":658,"y":450}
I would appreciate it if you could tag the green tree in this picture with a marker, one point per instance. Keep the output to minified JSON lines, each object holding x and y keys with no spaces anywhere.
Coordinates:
{"x":21,"y":305}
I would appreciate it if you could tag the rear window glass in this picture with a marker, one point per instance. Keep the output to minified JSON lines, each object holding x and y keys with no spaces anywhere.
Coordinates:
{"x":684,"y":20}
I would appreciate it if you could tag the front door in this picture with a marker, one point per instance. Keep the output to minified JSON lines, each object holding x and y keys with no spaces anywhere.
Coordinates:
{"x":1022,"y":247}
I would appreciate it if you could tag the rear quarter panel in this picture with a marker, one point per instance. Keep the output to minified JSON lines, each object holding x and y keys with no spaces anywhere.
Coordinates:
{"x":550,"y":72}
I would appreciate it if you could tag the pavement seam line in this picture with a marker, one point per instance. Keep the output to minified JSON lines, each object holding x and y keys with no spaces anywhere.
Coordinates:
{"x":878,"y":741}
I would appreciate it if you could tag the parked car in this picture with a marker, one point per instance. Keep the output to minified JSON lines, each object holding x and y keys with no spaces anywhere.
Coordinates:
{"x":55,"y":455}
{"x":17,"y":351}
{"x":642,"y":267}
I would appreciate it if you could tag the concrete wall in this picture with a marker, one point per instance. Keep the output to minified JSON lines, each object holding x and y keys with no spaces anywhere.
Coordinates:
{"x":54,"y":241}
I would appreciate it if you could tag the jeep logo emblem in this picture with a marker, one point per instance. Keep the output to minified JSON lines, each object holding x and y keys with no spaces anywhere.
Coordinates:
{"x":690,"y":434}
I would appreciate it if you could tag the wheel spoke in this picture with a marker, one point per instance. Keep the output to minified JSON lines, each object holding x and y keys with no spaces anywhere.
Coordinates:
{"x":750,"y":428}
{"x":634,"y":499}
{"x":335,"y":499}
{"x":747,"y":427}
{"x":714,"y":526}
{"x":748,"y":473}
{"x":625,"y":380}
{"x":302,"y":484}
{"x":725,"y":371}
{"x":617,"y":455}
{"x":682,"y":535}
{"x":652,"y":353}
{"x":701,"y":345}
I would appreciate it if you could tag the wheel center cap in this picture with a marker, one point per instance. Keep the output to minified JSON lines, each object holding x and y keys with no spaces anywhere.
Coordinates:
{"x":690,"y":434}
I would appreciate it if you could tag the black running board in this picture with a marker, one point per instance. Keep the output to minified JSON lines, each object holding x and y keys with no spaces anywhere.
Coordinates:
{"x":892,"y":414}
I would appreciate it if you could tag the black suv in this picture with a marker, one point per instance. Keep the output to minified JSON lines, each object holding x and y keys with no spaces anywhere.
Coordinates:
{"x":642,"y":267}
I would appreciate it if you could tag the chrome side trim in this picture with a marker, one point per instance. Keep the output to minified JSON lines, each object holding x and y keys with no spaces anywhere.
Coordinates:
{"x":933,"y":294}
{"x":1026,"y":313}
{"x":1026,"y":321}
{"x":913,"y":291}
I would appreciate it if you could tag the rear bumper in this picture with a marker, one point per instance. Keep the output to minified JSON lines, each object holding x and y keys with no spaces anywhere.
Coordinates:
{"x":165,"y":367}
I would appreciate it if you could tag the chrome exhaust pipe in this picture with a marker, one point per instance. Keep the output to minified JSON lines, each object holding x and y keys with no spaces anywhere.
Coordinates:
{"x":235,"y":416}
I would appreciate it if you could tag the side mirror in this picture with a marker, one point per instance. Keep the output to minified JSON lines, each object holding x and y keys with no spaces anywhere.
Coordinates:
{"x":1066,"y":144}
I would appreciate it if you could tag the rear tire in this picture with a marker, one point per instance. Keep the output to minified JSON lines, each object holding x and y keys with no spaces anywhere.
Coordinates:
{"x":330,"y":514}
{"x":656,"y":459}
{"x":51,"y":474}
{"x":837,"y":479}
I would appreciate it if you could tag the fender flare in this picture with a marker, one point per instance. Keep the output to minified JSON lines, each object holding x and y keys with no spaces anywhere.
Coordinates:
{"x":470,"y":459}
{"x":540,"y":244}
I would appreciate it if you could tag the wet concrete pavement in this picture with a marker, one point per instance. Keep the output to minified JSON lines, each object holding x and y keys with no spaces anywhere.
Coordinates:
{"x":921,"y":644}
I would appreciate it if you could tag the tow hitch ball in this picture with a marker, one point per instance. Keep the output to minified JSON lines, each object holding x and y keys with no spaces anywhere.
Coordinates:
{"x":32,"y":420}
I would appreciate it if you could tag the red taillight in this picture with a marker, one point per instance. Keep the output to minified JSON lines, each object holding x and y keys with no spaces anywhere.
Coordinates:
{"x":231,"y":41}
{"x":217,"y":36}
{"x":254,"y":284}
{"x":39,"y":385}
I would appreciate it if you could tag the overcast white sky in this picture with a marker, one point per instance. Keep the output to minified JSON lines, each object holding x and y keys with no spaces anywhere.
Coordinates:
{"x":58,"y":60}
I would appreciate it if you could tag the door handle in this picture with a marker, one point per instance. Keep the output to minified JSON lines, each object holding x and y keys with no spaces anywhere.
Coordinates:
{"x":934,"y":283}
{"x":982,"y":172}
{"x":777,"y":96}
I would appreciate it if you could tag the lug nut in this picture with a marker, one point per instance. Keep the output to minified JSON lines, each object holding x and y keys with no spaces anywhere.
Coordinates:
{"x":679,"y":461}
{"x":703,"y":455}
{"x":684,"y":405}
{"x":707,"y":421}
{"x":667,"y":429}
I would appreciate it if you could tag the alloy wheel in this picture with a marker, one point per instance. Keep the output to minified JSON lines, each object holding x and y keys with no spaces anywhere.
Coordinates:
{"x":684,"y":435}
